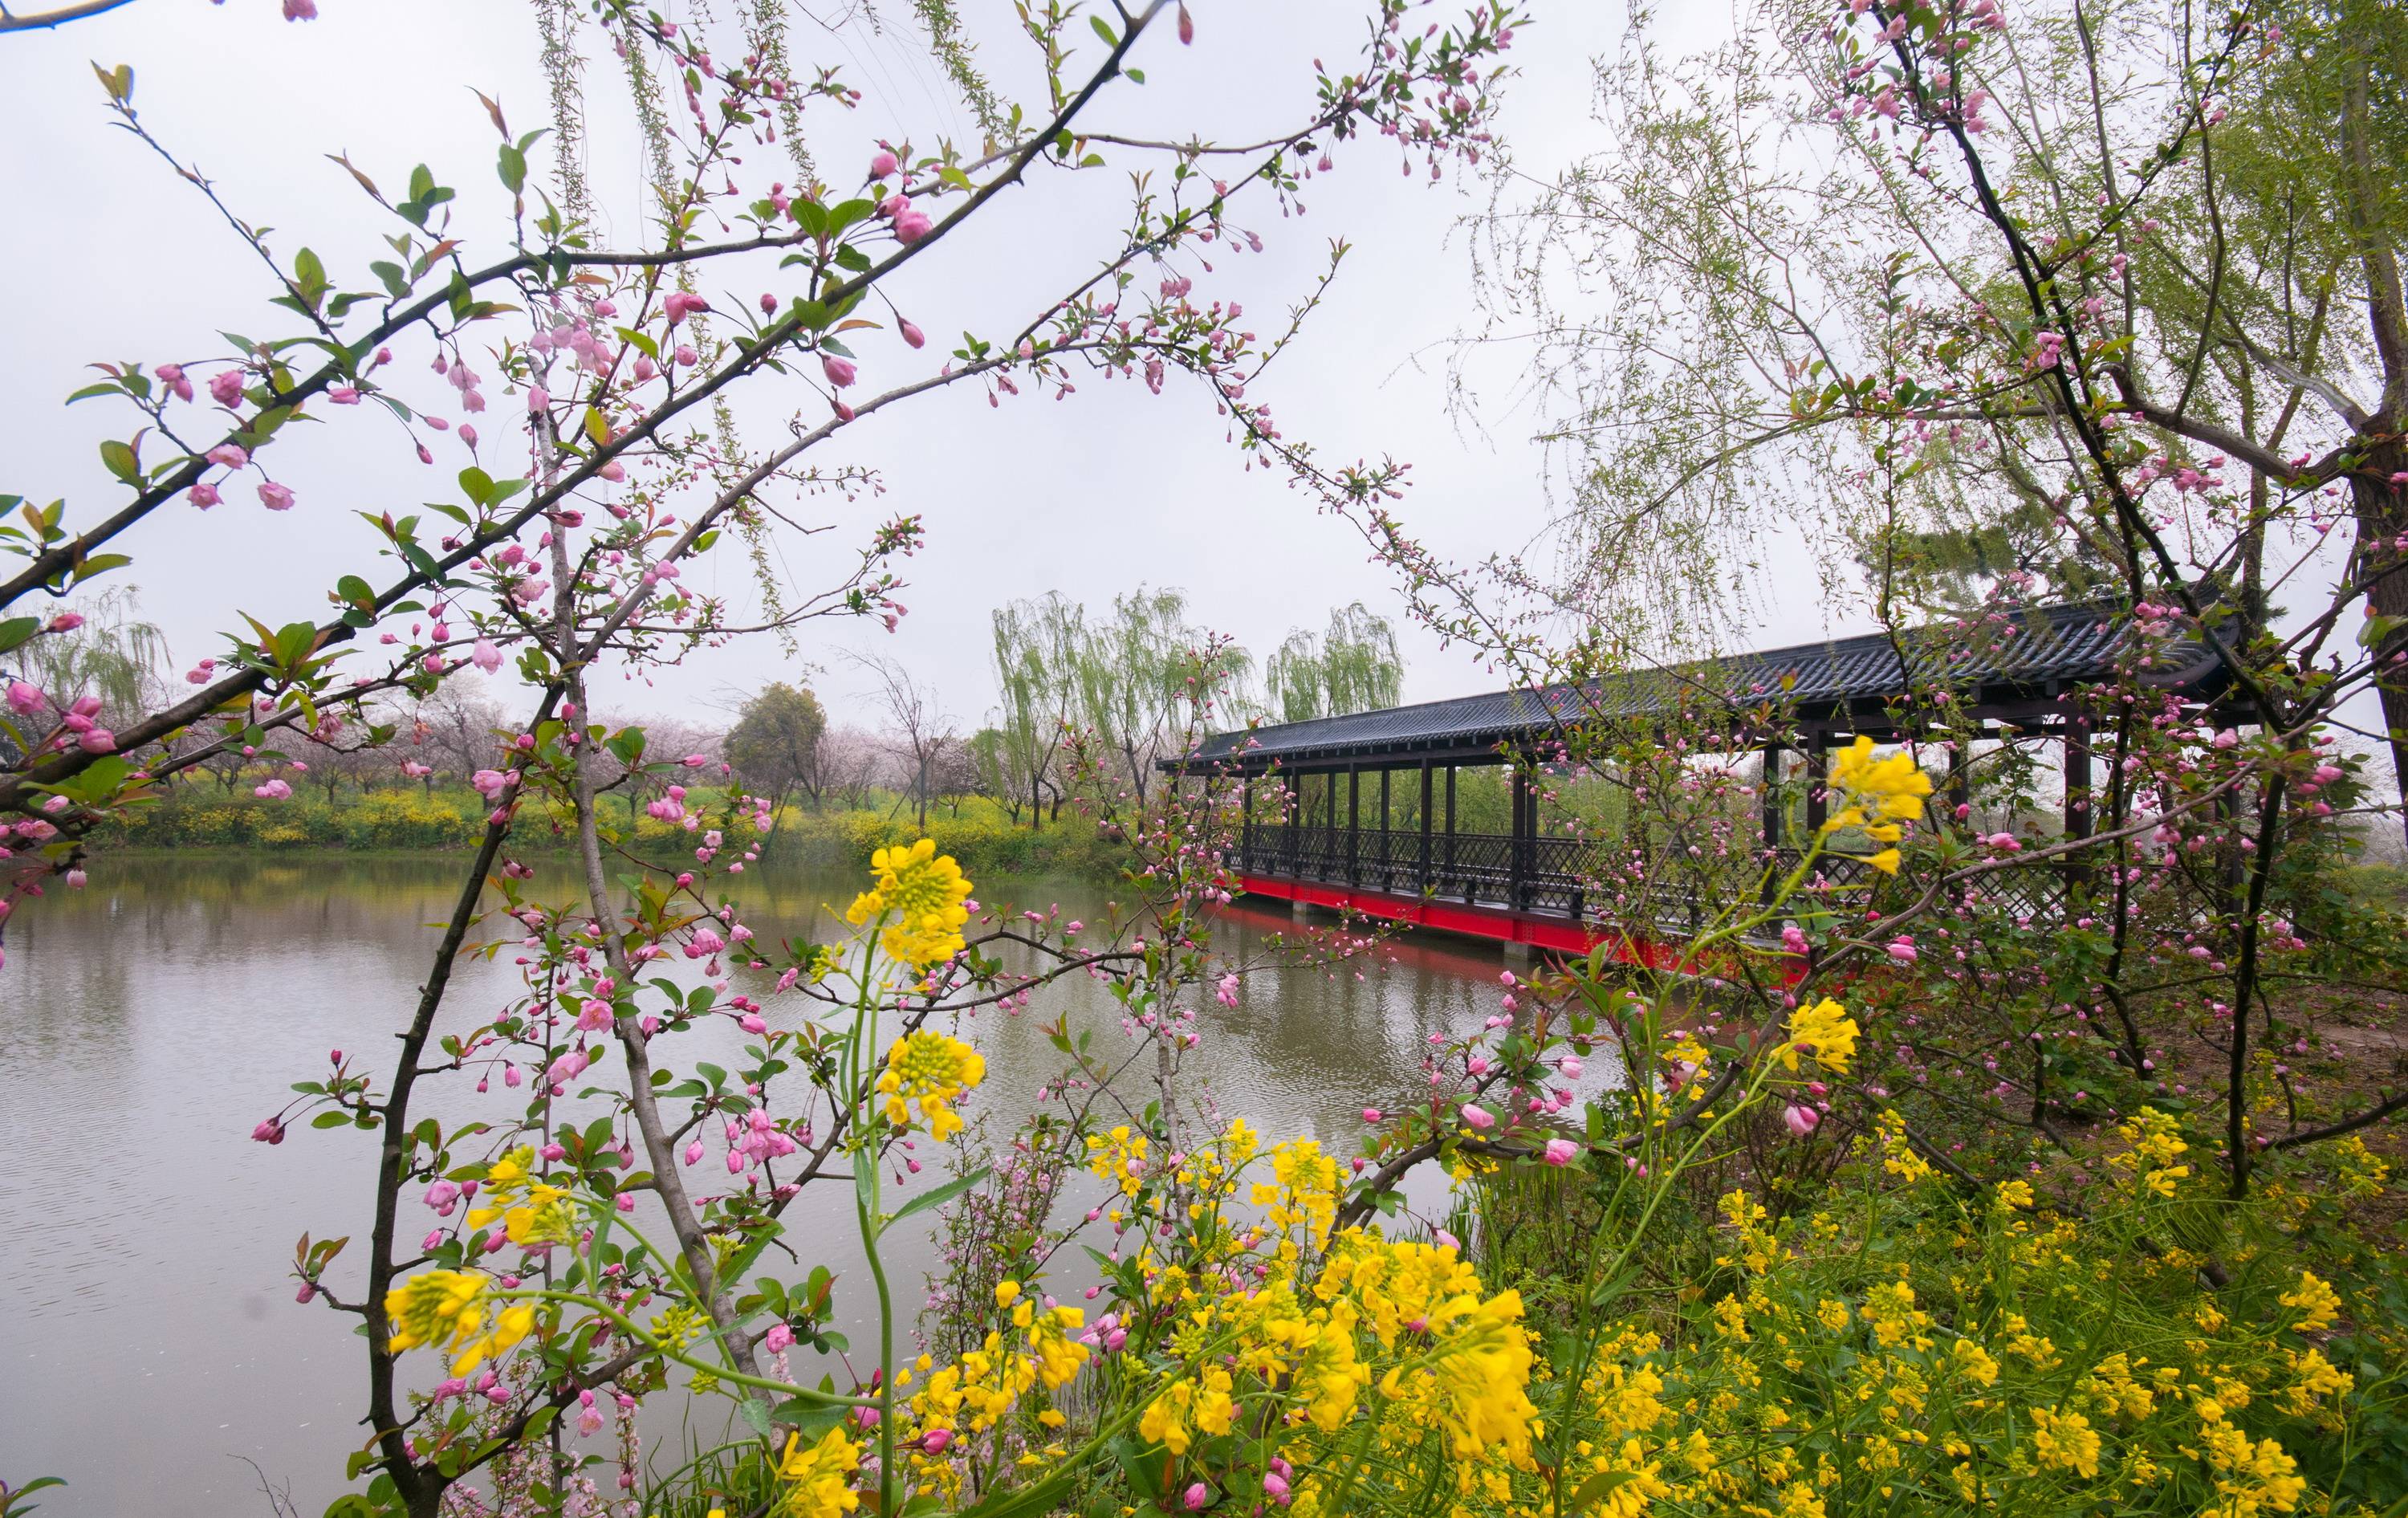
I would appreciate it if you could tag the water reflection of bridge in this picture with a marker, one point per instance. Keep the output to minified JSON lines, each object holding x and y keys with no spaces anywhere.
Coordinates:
{"x":1322,"y":798}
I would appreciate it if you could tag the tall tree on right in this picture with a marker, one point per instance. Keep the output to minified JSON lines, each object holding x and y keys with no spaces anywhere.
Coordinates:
{"x":1931,"y":299}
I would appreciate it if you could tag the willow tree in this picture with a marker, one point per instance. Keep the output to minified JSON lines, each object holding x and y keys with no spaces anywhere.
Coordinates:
{"x":1147,"y":675}
{"x":2109,"y":291}
{"x":1035,"y":651}
{"x":1353,"y":666}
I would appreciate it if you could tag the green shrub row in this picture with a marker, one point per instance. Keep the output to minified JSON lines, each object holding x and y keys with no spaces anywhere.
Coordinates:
{"x":981,"y":836}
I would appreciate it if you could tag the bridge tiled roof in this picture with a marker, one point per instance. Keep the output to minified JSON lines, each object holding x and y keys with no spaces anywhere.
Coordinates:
{"x":2005,"y":665}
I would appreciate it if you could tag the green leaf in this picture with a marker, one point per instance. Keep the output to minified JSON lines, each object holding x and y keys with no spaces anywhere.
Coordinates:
{"x":755,"y":1415}
{"x":929,"y":1200}
{"x":811,"y":1418}
{"x":1600,"y":1486}
{"x":122,"y":460}
{"x":16,"y":630}
{"x":1112,"y":38}
{"x":865,"y":1181}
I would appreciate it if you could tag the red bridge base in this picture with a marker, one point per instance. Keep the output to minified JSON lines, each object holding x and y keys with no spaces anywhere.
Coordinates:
{"x":1559,"y":935}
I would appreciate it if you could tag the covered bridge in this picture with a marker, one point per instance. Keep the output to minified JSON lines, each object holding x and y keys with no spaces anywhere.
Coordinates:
{"x":2014,"y":672}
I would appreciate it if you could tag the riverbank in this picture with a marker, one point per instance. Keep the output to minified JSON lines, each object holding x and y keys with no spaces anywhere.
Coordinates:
{"x":416,"y":822}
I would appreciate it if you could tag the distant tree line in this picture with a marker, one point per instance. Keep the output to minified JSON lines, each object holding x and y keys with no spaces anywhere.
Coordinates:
{"x":1128,"y":682}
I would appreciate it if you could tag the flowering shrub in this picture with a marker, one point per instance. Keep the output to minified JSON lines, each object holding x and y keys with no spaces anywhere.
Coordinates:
{"x":1911,"y":1343}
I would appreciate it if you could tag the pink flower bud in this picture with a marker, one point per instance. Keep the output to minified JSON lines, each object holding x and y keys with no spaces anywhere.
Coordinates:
{"x":1561,"y":1151}
{"x":1801,"y":1119}
{"x":1198,"y":1497}
{"x":840,"y":370}
{"x":912,"y":335}
{"x":1477,"y":1117}
{"x":883,"y":164}
{"x":275,"y":497}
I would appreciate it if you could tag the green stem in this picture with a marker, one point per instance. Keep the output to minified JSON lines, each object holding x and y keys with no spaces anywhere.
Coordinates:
{"x":629,"y":1328}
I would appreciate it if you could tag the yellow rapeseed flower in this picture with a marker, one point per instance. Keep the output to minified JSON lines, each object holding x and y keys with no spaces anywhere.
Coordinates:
{"x":1824,"y":1030}
{"x":2065,"y":1441}
{"x":1893,"y":785}
{"x":447,"y":1310}
{"x":932,"y":1071}
{"x":1973,"y":1362}
{"x":919,"y":894}
{"x":820,"y":1478}
{"x":2317,"y":1303}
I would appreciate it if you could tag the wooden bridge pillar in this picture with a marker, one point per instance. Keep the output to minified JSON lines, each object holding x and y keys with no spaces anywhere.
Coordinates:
{"x":2077,"y":799}
{"x":1517,"y":867}
{"x":1421,"y":875}
{"x":1772,"y":818}
{"x":1354,"y":824}
{"x":1451,"y":869}
{"x":1387,"y":861}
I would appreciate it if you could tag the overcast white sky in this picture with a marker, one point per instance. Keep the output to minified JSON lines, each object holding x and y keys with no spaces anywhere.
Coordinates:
{"x":113,"y":258}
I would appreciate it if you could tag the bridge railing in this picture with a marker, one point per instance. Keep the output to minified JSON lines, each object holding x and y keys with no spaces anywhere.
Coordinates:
{"x":1572,"y":878}
{"x":1580,"y":879}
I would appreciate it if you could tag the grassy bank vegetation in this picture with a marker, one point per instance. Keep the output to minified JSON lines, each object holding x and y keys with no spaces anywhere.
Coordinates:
{"x":417,"y":818}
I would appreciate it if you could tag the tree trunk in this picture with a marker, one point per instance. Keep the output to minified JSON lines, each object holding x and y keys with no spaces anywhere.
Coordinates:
{"x":2382,"y":509}
{"x":2379,"y":485}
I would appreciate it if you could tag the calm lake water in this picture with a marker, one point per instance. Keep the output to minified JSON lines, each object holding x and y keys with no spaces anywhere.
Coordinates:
{"x":149,"y":1339}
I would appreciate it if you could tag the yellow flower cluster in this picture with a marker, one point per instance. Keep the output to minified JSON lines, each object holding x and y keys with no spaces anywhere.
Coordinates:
{"x":2065,"y":1441}
{"x":1905,"y":1387}
{"x":447,"y":1310}
{"x":2316,"y":1302}
{"x":1825,"y":1031}
{"x":2156,"y":1143}
{"x":1303,"y":1189}
{"x":929,"y":1070}
{"x":531,"y":1211}
{"x":971,"y":1403}
{"x":918,"y":895}
{"x":819,"y":1481}
{"x":1879,"y":796}
{"x":1119,"y":1158}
